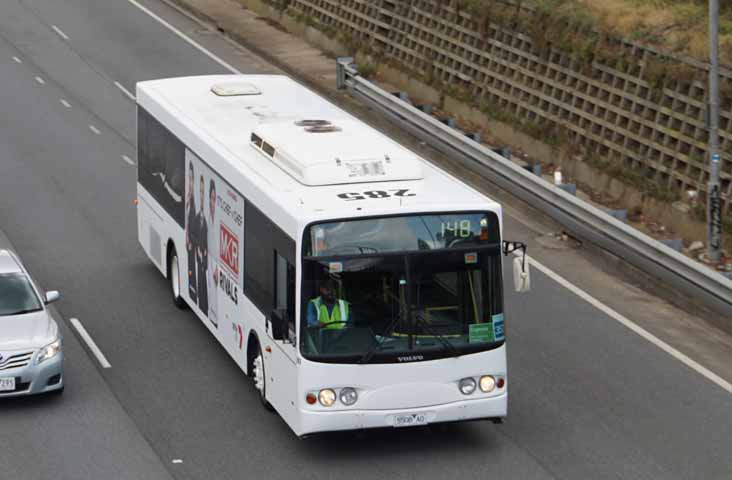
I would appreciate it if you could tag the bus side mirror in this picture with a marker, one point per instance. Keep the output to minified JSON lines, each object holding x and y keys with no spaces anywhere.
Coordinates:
{"x":277,"y":324}
{"x":282,"y":328}
{"x":521,"y":272}
{"x":521,"y":275}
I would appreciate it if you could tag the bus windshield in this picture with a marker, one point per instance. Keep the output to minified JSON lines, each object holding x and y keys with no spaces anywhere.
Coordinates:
{"x":434,"y":290}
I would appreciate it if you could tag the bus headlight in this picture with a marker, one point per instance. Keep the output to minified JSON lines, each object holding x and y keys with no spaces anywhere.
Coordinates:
{"x":348,"y":396}
{"x":327,"y":397}
{"x":466,"y":386}
{"x":487,"y":383}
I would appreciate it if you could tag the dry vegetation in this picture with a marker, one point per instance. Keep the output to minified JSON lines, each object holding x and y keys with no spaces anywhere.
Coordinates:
{"x":676,"y":26}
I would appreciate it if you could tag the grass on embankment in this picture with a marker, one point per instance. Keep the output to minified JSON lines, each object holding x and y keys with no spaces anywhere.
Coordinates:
{"x":675,"y":26}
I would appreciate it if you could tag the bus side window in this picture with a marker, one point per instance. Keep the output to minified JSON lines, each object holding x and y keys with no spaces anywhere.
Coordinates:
{"x":284,"y":300}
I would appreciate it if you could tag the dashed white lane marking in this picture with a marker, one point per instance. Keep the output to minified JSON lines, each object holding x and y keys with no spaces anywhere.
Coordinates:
{"x":60,"y":32}
{"x":40,"y":80}
{"x":90,"y":343}
{"x":127,"y":159}
{"x":125,"y":91}
{"x":185,"y":38}
{"x":582,"y":294}
{"x":65,"y":103}
{"x":705,"y":372}
{"x":94,"y":129}
{"x":177,"y":460}
{"x":17,"y":60}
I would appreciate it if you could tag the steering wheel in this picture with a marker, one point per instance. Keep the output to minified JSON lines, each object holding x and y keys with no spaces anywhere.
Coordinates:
{"x":327,"y":325}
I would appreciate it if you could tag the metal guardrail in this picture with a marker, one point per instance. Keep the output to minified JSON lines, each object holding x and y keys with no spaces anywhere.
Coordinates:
{"x":579,"y":218}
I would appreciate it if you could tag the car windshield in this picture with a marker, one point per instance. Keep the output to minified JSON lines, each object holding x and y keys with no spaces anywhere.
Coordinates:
{"x":402,"y":306}
{"x":17,"y":295}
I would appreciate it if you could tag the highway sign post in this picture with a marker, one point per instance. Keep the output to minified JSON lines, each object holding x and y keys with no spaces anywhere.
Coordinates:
{"x":714,"y":211}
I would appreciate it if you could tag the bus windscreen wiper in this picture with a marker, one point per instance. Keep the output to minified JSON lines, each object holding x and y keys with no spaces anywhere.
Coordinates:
{"x":444,"y":341}
{"x":370,"y":352}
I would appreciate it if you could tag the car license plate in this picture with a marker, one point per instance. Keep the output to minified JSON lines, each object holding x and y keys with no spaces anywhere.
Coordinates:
{"x":7,"y":384}
{"x":410,"y":420}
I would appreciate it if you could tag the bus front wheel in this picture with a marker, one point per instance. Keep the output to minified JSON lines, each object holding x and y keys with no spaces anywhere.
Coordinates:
{"x":174,"y":277}
{"x":260,"y":378}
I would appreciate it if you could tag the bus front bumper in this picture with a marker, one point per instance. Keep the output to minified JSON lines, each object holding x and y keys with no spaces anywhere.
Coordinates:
{"x":476,"y":409}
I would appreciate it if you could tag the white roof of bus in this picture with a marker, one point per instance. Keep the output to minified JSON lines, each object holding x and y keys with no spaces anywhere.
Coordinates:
{"x":221,"y":126}
{"x":339,"y":152}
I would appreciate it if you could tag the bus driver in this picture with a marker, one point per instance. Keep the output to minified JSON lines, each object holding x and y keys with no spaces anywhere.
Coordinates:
{"x":326,"y":311}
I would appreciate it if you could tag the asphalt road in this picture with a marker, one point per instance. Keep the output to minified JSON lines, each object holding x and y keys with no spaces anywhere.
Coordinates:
{"x":589,"y":398}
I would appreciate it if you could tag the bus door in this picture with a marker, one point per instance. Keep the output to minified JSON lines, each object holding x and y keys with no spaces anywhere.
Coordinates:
{"x":282,"y":375}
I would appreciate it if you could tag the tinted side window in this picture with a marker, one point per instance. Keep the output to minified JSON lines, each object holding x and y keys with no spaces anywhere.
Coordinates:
{"x":257,"y":259}
{"x":161,"y":164}
{"x":261,"y":236}
{"x":285,"y":291}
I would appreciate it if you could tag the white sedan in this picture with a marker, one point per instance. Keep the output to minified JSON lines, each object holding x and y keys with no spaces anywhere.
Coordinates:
{"x":31,"y":353}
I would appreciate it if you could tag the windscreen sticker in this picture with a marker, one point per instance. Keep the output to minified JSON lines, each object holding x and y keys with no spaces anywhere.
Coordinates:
{"x":480,"y":332}
{"x":498,"y":330}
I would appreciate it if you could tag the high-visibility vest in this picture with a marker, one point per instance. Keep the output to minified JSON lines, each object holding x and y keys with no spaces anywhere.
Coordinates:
{"x":339,"y":314}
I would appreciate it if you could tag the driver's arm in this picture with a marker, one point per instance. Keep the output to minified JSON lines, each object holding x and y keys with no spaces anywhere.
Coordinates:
{"x":312,"y":315}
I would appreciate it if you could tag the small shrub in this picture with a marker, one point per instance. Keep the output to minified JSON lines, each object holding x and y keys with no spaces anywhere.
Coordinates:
{"x":367,"y":69}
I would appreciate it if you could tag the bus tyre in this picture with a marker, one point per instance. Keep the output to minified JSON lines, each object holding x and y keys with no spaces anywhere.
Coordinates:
{"x":174,"y":277}
{"x":260,"y":379}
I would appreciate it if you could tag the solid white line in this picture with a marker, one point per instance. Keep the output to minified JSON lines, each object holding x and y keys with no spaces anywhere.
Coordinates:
{"x":65,"y":103}
{"x":585,"y":296}
{"x":634,"y":327}
{"x":186,"y":38}
{"x":128,"y":159}
{"x":125,"y":91}
{"x":17,"y":60}
{"x":90,"y":343}
{"x":40,"y":80}
{"x":60,"y":33}
{"x":94,"y":129}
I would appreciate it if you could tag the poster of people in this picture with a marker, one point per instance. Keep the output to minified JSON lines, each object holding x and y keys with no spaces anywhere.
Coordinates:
{"x":214,"y":219}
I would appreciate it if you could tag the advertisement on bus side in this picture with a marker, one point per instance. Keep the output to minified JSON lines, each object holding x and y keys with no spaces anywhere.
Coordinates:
{"x":214,"y":226}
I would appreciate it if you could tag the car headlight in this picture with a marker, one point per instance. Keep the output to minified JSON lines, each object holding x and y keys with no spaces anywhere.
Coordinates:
{"x":348,"y":396}
{"x":49,"y":351}
{"x":327,"y":397}
{"x":487,"y":383}
{"x":466,"y":386}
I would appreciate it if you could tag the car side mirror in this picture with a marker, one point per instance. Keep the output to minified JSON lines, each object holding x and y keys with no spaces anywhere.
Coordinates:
{"x":521,"y":271}
{"x":52,"y":296}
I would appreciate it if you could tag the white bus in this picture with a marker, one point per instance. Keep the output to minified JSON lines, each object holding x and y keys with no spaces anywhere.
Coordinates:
{"x":358,"y":285}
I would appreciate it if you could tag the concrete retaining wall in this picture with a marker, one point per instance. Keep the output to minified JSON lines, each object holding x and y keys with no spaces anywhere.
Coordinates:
{"x":608,"y":111}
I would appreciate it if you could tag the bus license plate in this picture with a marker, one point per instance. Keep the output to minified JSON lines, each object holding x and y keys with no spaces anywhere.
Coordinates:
{"x":7,"y":384}
{"x":410,"y":420}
